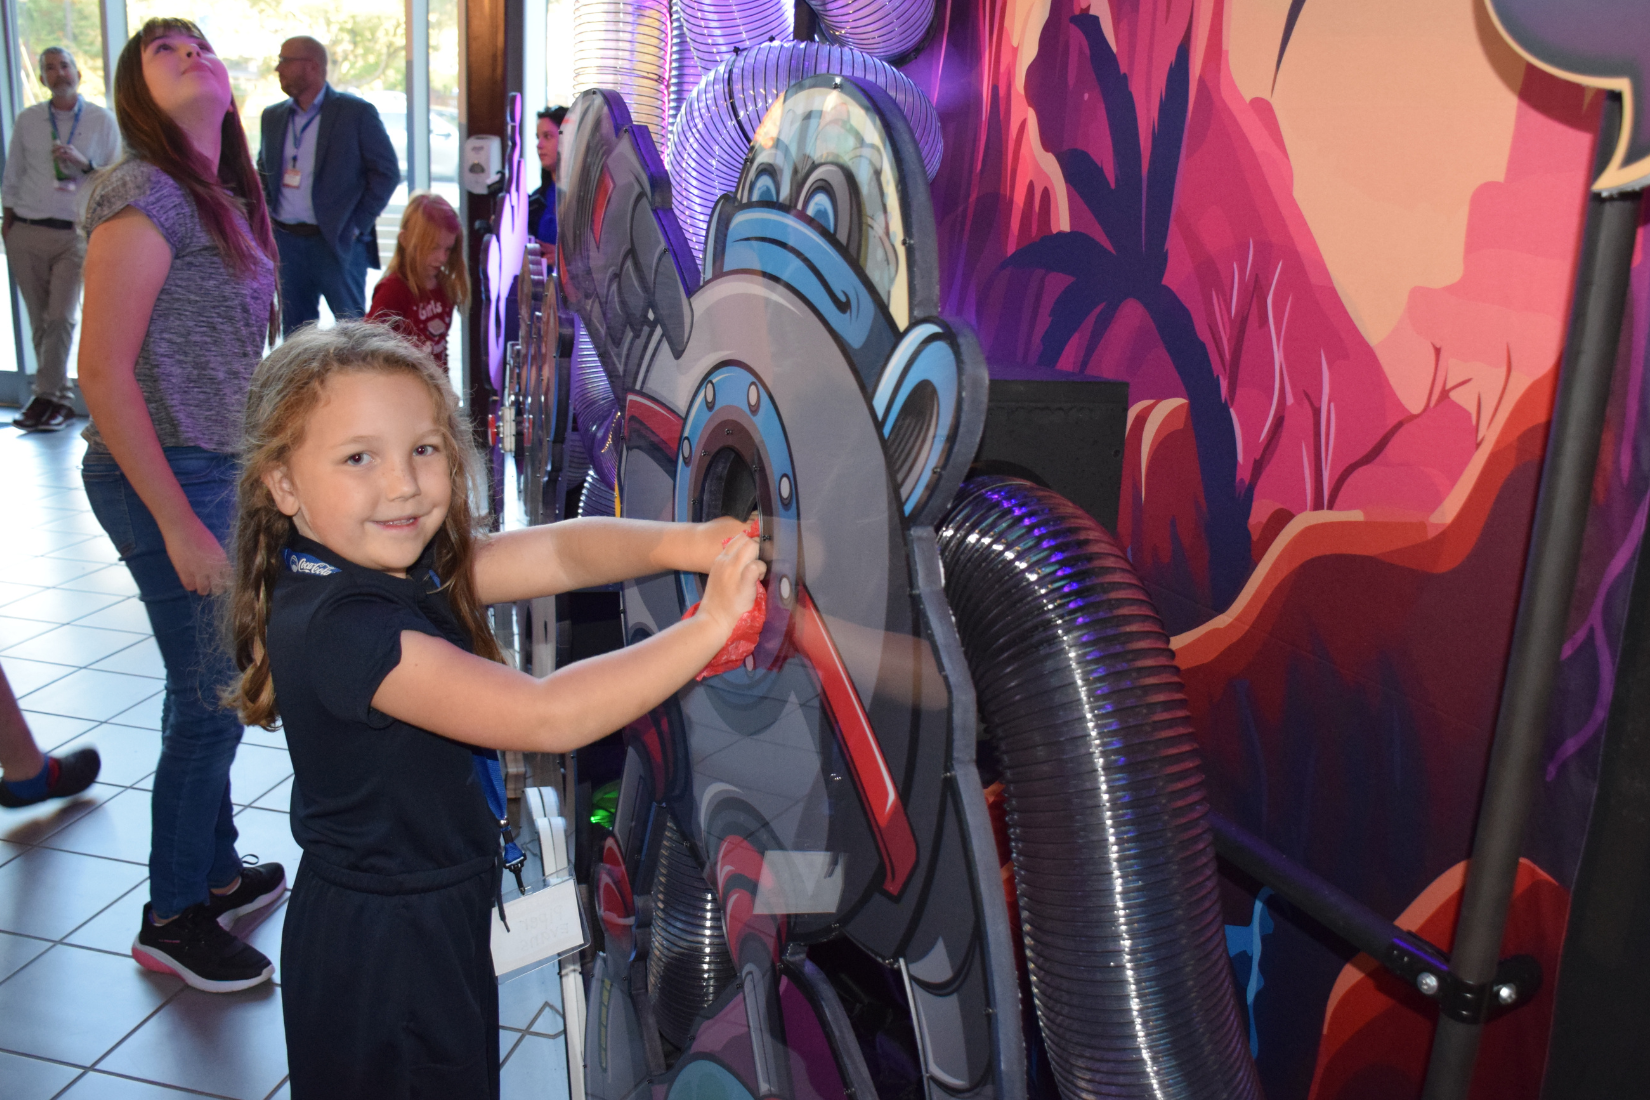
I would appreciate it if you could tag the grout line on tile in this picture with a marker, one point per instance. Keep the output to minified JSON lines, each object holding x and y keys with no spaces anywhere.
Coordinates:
{"x":71,"y":1084}
{"x":138,"y":1027}
{"x":180,"y":1089}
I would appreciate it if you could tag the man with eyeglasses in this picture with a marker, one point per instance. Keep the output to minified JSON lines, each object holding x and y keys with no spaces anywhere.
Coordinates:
{"x":329,"y":170}
{"x":55,"y":147}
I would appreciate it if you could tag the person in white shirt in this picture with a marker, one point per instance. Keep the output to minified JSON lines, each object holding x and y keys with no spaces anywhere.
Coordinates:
{"x":55,"y":146}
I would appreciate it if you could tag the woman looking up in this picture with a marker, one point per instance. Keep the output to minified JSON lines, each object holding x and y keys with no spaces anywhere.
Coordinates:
{"x":180,"y":285}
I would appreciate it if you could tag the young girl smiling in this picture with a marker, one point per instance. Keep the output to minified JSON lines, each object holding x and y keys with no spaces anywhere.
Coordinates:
{"x":359,"y":624}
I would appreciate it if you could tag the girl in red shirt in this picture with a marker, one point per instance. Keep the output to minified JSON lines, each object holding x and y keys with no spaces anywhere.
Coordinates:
{"x":425,"y":280}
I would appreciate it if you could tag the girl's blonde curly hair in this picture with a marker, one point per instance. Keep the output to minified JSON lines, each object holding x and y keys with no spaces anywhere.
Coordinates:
{"x":286,"y":388}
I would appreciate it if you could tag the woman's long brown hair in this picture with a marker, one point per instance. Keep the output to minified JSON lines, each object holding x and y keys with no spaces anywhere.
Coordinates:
{"x":151,"y":135}
{"x":286,"y":388}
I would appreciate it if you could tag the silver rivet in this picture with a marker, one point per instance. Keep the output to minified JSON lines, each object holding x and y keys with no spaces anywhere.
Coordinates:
{"x":753,"y":397}
{"x":785,"y":589}
{"x":1427,"y":982}
{"x":687,"y":450}
{"x":1506,"y":994}
{"x":710,"y":395}
{"x":785,"y":489}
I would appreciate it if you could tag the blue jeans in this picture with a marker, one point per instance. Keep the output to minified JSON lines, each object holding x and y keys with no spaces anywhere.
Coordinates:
{"x":192,"y":837}
{"x":310,"y":269}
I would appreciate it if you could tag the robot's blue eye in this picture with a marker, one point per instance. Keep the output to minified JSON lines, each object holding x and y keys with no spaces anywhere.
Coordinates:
{"x":821,"y":207}
{"x":764,"y":188}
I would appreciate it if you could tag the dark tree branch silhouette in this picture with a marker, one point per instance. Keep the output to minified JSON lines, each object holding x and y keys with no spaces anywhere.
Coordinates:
{"x":1133,"y":209}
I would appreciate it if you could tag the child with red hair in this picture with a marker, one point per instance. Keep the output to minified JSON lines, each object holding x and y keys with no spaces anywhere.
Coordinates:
{"x":425,"y":280}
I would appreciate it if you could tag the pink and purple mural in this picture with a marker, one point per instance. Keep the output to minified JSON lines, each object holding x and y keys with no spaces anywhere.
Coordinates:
{"x":1331,"y":248}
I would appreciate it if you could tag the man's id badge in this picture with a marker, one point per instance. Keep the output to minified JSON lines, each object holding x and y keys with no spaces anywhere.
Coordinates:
{"x":291,"y":177}
{"x":544,"y":925}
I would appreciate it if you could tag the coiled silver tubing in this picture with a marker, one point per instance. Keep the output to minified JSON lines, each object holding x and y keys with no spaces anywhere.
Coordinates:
{"x":712,"y":132}
{"x":1114,"y":862}
{"x":596,"y":410}
{"x":688,"y":965}
{"x":624,"y":45}
{"x":597,"y":498}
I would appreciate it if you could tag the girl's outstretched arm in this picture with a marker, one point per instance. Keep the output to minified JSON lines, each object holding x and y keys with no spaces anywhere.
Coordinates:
{"x":595,"y":550}
{"x":445,"y":690}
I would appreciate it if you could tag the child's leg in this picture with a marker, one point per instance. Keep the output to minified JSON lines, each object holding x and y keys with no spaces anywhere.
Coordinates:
{"x":389,"y":996}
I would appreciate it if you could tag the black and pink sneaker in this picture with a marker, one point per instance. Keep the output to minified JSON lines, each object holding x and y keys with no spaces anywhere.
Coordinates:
{"x":261,"y":884}
{"x":195,"y":948}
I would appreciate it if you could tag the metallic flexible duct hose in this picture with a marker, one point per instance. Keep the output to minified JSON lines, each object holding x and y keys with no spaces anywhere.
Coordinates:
{"x":596,"y":410}
{"x":597,"y":498}
{"x":719,"y":29}
{"x":688,"y":966}
{"x":1113,"y":859}
{"x":625,"y":45}
{"x":684,"y":70}
{"x":887,"y":29}
{"x":711,"y":134}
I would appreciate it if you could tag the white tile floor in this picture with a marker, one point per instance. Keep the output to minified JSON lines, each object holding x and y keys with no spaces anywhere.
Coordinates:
{"x":78,"y":1018}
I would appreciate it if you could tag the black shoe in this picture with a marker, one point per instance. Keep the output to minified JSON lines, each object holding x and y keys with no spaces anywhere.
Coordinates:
{"x":75,"y":772}
{"x":34,"y":414}
{"x":193,"y":947}
{"x":261,"y":884}
{"x":56,"y":419}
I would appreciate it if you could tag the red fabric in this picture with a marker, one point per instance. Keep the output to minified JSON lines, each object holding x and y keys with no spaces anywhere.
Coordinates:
{"x":424,"y":318}
{"x":742,"y":642}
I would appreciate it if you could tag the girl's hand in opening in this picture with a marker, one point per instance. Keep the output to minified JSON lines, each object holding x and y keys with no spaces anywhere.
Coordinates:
{"x":196,"y":554}
{"x":734,"y":575}
{"x":713,"y":536}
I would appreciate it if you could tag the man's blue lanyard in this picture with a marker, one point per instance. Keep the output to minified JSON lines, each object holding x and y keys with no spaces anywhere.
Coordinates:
{"x":302,"y":130}
{"x":51,"y":115}
{"x":491,"y":775}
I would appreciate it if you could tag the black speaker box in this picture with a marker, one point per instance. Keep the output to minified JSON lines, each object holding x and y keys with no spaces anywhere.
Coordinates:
{"x":1063,"y":435}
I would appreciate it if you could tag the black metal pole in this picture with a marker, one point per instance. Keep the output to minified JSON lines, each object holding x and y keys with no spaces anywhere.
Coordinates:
{"x":1538,"y":633}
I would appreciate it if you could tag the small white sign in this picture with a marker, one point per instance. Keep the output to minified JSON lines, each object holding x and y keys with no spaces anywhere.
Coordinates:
{"x":544,"y":924}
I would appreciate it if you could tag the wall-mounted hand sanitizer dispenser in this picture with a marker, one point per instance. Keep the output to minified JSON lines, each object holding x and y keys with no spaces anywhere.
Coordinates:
{"x":483,"y":163}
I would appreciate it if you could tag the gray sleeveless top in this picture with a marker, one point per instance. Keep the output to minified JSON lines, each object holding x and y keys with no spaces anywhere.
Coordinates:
{"x":209,"y":325}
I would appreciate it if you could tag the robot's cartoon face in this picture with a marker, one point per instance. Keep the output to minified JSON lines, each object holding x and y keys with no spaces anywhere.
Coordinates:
{"x":806,"y":380}
{"x":822,"y":154}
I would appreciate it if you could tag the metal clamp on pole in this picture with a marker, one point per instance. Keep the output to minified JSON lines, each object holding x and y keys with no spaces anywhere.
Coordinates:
{"x":1516,"y":981}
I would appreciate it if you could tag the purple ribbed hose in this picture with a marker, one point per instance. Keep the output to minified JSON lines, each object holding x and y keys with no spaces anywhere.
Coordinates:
{"x":684,"y":68}
{"x":882,"y":28}
{"x":719,"y":29}
{"x":595,"y":408}
{"x":712,"y":133}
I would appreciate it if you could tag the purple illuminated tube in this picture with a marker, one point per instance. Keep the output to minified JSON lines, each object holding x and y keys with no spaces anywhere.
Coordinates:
{"x":596,"y":410}
{"x":887,"y":29}
{"x":719,"y":29}
{"x":625,"y":45}
{"x":684,"y":68}
{"x":712,"y":132}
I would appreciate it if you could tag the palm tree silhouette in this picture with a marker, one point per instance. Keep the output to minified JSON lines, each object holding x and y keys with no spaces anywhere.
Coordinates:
{"x":1133,"y":210}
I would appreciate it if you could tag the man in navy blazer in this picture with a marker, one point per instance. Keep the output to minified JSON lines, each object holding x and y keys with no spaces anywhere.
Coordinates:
{"x":328,"y":170}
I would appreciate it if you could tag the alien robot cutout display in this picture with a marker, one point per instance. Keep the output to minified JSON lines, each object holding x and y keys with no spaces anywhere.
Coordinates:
{"x":825,"y":794}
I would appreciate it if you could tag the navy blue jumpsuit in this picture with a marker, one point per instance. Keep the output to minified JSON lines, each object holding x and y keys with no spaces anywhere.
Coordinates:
{"x":386,"y":970}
